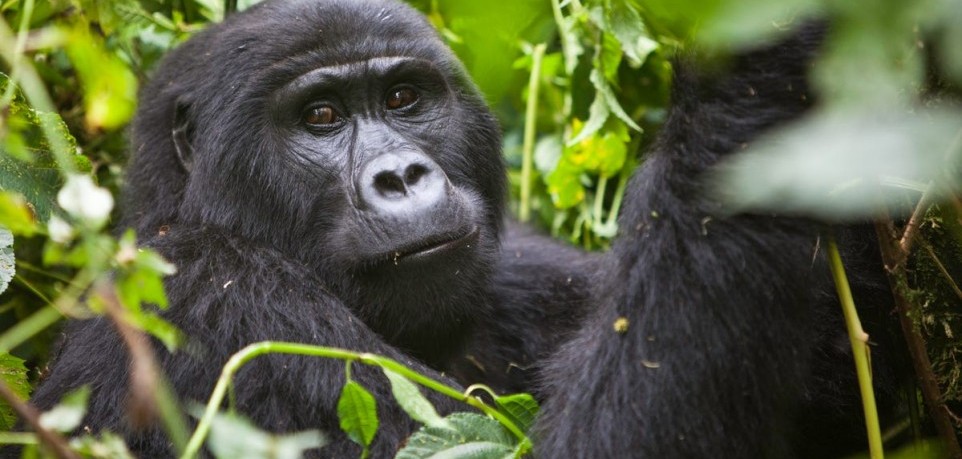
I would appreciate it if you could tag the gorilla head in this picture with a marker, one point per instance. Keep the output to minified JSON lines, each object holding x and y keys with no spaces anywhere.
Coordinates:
{"x":369,"y":157}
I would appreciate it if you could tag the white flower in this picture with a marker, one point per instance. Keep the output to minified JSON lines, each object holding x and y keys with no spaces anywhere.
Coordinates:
{"x":60,"y":231}
{"x":85,"y":201}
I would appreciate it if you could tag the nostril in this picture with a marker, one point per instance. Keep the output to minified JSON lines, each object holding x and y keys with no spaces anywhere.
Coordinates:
{"x":389,"y":185}
{"x":413,"y":173}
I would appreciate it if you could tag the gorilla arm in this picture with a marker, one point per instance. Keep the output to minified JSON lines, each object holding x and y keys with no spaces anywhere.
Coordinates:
{"x":228,"y":294}
{"x":703,"y":333}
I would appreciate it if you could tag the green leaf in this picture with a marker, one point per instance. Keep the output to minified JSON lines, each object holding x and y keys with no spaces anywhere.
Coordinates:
{"x":742,"y":23}
{"x":110,"y":88}
{"x":626,"y":25}
{"x":520,"y":408}
{"x":564,"y":184}
{"x":843,"y":165}
{"x":597,"y":115}
{"x":468,"y":435}
{"x":357,"y":411}
{"x":413,"y":402}
{"x":15,"y":214}
{"x":109,"y":445}
{"x":8,"y":262}
{"x":69,"y":413}
{"x":14,"y":375}
{"x":233,"y":436}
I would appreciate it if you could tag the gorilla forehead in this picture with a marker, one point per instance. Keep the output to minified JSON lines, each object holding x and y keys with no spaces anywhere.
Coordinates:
{"x":295,"y":36}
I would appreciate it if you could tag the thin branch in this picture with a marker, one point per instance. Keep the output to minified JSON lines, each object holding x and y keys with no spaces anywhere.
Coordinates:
{"x":55,"y":443}
{"x":929,"y":385}
{"x":915,"y":222}
{"x":938,"y":263}
{"x":150,"y":396}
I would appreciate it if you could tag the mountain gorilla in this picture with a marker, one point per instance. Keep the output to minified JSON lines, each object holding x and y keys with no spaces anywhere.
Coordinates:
{"x":325,"y":172}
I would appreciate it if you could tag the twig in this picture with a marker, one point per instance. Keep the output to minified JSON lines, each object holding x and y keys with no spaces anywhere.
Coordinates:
{"x":915,"y":222}
{"x":938,"y":264}
{"x":931,"y":393}
{"x":54,"y":441}
{"x":150,"y":396}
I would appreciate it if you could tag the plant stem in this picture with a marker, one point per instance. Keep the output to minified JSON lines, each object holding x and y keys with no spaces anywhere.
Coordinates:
{"x":28,"y":327}
{"x":248,"y":353}
{"x":530,"y":129}
{"x":860,"y":351}
{"x":17,"y":438}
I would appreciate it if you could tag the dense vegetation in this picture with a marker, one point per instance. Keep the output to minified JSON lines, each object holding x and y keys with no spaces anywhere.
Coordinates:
{"x":579,"y":86}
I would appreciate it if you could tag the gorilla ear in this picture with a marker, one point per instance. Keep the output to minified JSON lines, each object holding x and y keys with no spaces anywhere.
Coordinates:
{"x":181,"y":134}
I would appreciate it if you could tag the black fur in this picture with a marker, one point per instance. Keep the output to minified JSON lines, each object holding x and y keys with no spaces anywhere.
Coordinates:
{"x":733,"y":348}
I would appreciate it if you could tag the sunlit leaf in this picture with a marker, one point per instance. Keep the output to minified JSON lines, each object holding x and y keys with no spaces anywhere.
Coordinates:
{"x":68,"y":414}
{"x":110,"y":89}
{"x":357,"y":411}
{"x":413,"y":402}
{"x":466,"y":435}
{"x":15,"y":214}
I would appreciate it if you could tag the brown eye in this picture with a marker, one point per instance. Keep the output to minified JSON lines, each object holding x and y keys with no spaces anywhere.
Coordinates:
{"x":320,"y":116}
{"x":400,"y":98}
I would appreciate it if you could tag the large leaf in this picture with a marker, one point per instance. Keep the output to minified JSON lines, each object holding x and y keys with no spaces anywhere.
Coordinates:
{"x":843,"y":165}
{"x":467,"y":435}
{"x":234,"y":437}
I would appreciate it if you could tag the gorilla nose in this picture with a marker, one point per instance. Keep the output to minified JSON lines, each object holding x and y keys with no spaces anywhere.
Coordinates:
{"x":402,"y":183}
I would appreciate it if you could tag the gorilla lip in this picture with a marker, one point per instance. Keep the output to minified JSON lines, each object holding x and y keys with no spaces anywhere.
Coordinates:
{"x":435,"y":246}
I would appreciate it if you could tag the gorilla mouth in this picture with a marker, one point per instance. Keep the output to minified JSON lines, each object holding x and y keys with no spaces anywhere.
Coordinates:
{"x":436,"y":245}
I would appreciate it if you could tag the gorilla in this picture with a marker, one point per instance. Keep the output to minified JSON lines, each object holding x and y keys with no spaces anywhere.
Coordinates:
{"x":324,"y":171}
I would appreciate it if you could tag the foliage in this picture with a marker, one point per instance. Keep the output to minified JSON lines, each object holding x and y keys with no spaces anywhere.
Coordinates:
{"x":597,"y":74}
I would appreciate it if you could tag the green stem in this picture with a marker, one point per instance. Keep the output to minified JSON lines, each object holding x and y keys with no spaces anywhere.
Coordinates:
{"x":21,"y":44}
{"x":599,"y":201}
{"x":619,"y":195}
{"x":18,"y":438}
{"x":530,"y":129}
{"x":860,"y":350}
{"x":28,"y":327}
{"x":248,"y":353}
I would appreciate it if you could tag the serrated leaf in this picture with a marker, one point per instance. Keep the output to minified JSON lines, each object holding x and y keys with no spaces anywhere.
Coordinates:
{"x":626,"y":25}
{"x":69,"y":413}
{"x":603,"y":88}
{"x":234,"y":437}
{"x":357,"y":411}
{"x":521,"y":408}
{"x":597,"y":115}
{"x":469,"y":435}
{"x":413,"y":402}
{"x":8,"y":261}
{"x":14,"y":375}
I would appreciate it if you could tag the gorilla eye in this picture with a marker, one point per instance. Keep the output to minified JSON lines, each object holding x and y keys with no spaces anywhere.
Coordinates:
{"x":320,"y":115}
{"x":400,"y":98}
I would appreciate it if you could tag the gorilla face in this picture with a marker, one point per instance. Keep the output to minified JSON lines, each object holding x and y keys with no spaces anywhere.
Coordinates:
{"x":372,"y":160}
